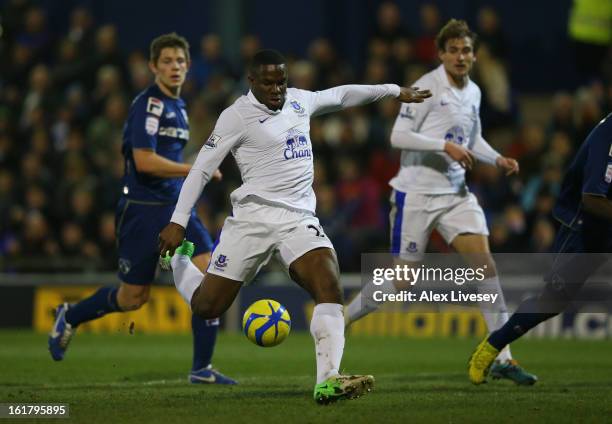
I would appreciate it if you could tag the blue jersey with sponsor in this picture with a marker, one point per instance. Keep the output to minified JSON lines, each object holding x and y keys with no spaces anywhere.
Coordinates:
{"x":589,"y":173}
{"x":157,"y":122}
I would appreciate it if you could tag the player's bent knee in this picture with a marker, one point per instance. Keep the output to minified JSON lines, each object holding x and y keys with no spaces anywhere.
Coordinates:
{"x":131,"y":297}
{"x":206,"y":310}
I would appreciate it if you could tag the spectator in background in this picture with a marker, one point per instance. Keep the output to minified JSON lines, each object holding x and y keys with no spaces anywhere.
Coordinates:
{"x":210,"y":62}
{"x":68,"y":66}
{"x":81,"y":31}
{"x":330,"y":70}
{"x":35,"y":34}
{"x":527,"y":148}
{"x":497,"y":103}
{"x":588,"y":114}
{"x":431,"y":23}
{"x":38,"y":100}
{"x":106,"y":52}
{"x":104,"y":134}
{"x":562,"y":118}
{"x":490,"y":34}
{"x":389,"y":27}
{"x":140,"y":76}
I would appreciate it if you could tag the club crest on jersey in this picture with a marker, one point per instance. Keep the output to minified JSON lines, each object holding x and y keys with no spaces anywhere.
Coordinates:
{"x":221,"y":262}
{"x":297,"y":108}
{"x":155,"y":106}
{"x":455,"y":134}
{"x":412,"y":247}
{"x":297,"y":146}
{"x":212,"y":142}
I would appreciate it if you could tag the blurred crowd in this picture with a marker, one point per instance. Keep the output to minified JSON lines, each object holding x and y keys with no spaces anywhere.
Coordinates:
{"x":64,"y":99}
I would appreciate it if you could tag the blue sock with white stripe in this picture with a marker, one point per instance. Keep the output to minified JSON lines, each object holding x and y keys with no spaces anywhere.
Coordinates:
{"x":204,"y":337}
{"x":95,"y":306}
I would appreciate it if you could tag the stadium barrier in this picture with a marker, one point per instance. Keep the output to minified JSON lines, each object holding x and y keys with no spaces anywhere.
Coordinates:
{"x":28,"y":301}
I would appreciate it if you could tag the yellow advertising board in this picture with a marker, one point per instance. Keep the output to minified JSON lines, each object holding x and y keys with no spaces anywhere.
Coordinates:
{"x":397,"y":321}
{"x":165,"y":312}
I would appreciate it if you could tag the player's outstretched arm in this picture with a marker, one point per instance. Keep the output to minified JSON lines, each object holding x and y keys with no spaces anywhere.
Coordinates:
{"x":345,"y":96}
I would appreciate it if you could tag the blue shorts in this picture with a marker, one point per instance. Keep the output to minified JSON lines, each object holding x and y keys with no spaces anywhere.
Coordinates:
{"x":138,"y":225}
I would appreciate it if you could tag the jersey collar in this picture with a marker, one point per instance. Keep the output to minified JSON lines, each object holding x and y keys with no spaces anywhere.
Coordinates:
{"x":263,"y":107}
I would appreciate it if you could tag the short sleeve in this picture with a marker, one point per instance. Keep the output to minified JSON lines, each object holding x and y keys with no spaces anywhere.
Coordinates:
{"x":146,"y":112}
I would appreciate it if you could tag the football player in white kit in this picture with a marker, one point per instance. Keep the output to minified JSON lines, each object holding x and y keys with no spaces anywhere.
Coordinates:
{"x":267,"y":132}
{"x":439,"y":139}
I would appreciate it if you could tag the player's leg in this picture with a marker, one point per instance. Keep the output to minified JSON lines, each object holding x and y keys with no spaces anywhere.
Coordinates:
{"x":126,"y":297}
{"x":411,"y":224}
{"x":464,"y":227}
{"x":570,"y":270}
{"x":311,"y":261}
{"x":317,"y":272}
{"x":204,"y":331}
{"x":137,"y":265}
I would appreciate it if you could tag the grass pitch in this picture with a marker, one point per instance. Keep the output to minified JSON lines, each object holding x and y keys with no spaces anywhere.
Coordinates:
{"x":143,"y":378}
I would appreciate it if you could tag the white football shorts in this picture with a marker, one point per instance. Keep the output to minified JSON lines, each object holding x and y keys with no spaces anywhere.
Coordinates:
{"x":258,"y":231}
{"x":415,"y":215}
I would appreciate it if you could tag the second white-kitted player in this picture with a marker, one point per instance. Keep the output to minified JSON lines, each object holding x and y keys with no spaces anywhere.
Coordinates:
{"x":439,"y":140}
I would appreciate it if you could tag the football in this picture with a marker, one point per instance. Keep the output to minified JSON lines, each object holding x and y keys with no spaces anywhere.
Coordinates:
{"x":266,"y":323}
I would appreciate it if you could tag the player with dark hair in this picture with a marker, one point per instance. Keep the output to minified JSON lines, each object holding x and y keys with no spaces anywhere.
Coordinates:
{"x":584,"y":209}
{"x":268,"y":133}
{"x":155,"y":134}
{"x":439,"y":139}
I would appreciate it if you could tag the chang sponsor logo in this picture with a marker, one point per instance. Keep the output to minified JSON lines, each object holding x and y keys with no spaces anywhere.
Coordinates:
{"x":297,"y":146}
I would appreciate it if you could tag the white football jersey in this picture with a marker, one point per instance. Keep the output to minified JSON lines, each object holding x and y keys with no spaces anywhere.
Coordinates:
{"x":272,"y":148}
{"x":452,"y":114}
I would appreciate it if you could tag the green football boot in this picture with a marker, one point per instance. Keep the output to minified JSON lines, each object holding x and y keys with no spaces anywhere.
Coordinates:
{"x":186,"y":248}
{"x":511,"y":370}
{"x":342,"y":387}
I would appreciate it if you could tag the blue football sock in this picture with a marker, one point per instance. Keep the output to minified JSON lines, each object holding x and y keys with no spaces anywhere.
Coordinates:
{"x":519,"y":323}
{"x":95,"y":306}
{"x":204,"y":338}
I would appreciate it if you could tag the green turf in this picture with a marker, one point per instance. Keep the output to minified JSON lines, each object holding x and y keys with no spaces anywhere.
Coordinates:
{"x":142,"y":378}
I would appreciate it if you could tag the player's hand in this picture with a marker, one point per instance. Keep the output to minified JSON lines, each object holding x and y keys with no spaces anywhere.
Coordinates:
{"x":170,"y":238}
{"x":413,"y":95}
{"x":460,"y":154}
{"x":509,"y":165}
{"x":217,"y":175}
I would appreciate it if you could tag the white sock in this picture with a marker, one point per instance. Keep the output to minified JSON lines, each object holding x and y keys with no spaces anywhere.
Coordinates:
{"x":187,"y":277}
{"x":495,"y":315}
{"x":327,"y":329}
{"x":364,"y":303}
